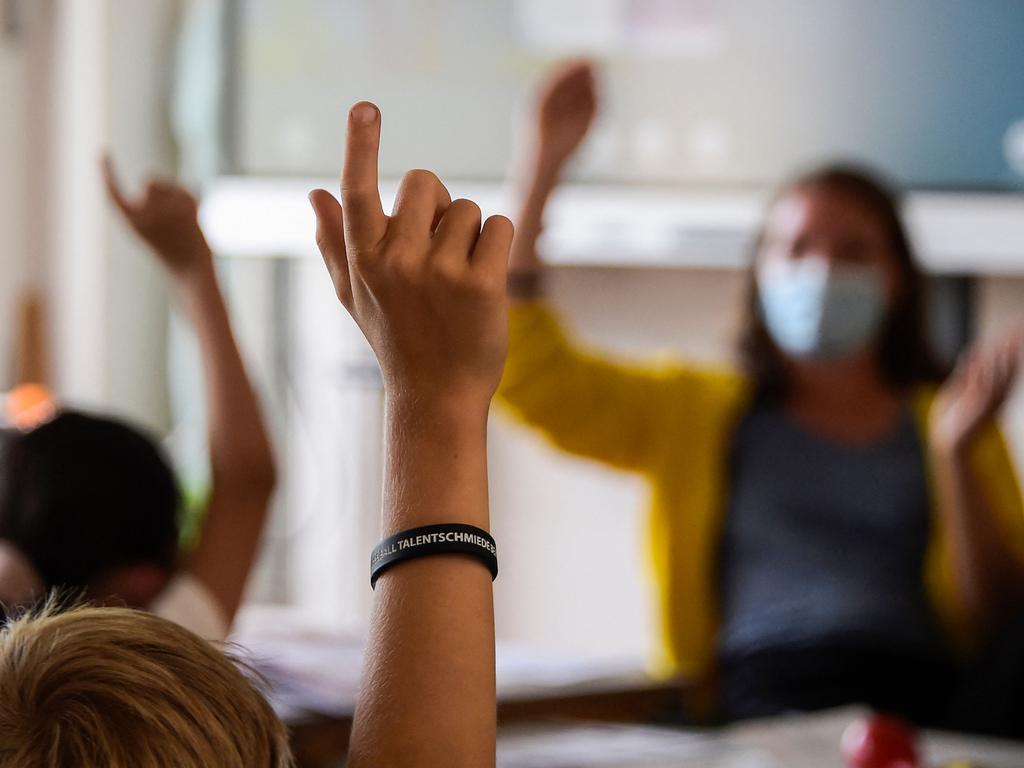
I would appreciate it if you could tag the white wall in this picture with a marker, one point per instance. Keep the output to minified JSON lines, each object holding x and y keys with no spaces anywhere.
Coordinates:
{"x":14,"y":140}
{"x":138,"y":70}
{"x":107,"y":297}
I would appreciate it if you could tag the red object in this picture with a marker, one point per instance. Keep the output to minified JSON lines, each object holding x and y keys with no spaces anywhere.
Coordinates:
{"x":880,"y":741}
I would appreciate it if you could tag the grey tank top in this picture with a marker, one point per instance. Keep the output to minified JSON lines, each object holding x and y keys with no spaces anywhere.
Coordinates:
{"x":823,"y":543}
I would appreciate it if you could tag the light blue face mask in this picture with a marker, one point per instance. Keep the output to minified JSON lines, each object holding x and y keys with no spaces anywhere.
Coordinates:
{"x":816,"y":310}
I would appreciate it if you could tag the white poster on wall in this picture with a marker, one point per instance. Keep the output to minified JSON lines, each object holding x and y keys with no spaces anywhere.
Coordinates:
{"x":677,"y":28}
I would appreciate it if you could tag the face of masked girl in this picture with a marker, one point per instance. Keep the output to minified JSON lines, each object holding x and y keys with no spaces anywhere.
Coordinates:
{"x":826,"y":276}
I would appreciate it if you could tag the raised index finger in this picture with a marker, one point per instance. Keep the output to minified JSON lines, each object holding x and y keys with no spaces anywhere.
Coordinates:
{"x":365,"y":222}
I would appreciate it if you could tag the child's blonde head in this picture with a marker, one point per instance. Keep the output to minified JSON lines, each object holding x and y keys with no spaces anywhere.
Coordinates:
{"x":116,"y":687}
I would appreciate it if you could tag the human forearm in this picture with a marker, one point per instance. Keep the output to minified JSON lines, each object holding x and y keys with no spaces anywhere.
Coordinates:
{"x":565,"y":108}
{"x":242,"y":468}
{"x":536,"y":186}
{"x":428,"y":687}
{"x":166,"y":217}
{"x":240,"y":451}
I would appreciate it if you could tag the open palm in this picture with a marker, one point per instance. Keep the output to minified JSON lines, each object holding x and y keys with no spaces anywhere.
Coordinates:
{"x":976,"y":391}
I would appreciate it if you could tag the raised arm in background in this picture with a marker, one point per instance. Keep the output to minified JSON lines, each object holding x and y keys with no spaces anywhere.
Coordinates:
{"x":989,"y":573}
{"x":582,"y":401}
{"x":427,"y":287}
{"x":565,"y":108}
{"x":241,"y":460}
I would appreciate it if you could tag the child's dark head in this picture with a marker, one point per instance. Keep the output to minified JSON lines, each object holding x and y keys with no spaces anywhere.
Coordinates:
{"x":93,"y":504}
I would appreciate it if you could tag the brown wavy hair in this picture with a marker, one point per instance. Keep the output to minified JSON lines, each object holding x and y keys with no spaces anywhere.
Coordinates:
{"x":906,"y":357}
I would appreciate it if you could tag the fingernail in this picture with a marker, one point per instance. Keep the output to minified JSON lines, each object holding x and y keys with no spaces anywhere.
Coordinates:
{"x":364,"y":112}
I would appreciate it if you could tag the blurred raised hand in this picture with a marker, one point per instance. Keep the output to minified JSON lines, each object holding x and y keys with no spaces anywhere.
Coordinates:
{"x":242,"y":467}
{"x":977,"y":391}
{"x":166,"y":216}
{"x":563,"y":113}
{"x":566,"y":106}
{"x":988,"y":569}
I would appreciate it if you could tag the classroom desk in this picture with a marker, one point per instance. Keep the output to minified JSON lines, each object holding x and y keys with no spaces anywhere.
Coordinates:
{"x":321,"y":741}
{"x":314,"y":676}
{"x":799,"y":741}
{"x":544,"y":701}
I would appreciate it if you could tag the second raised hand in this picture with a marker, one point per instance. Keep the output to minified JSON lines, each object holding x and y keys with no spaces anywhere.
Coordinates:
{"x":166,"y":216}
{"x":426,"y":285}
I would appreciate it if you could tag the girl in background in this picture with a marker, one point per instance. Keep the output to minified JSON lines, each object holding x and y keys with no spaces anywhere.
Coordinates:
{"x":90,"y":504}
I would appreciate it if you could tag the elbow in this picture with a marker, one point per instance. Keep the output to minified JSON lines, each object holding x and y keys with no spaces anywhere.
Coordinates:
{"x":263,"y":477}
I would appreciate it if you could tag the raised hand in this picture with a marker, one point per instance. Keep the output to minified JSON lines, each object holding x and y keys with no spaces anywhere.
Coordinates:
{"x":566,"y":107}
{"x":426,"y":285}
{"x":166,"y":217}
{"x":976,"y":392}
{"x":242,"y":468}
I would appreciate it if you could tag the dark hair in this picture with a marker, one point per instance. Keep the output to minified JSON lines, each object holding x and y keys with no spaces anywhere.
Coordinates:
{"x":905,"y":354}
{"x":82,"y":495}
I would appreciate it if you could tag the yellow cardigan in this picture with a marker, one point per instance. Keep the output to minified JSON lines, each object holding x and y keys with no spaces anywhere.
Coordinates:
{"x":674,"y":425}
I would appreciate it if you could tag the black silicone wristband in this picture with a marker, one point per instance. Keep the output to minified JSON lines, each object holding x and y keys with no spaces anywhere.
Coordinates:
{"x":427,"y":540}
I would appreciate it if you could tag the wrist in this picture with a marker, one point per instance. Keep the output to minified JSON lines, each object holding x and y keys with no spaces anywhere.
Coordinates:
{"x":436,"y":463}
{"x":189,"y":261}
{"x":948,"y":449}
{"x":198,"y":277}
{"x":445,"y":413}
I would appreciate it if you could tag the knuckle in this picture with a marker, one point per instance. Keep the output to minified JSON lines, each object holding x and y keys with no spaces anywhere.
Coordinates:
{"x":354,"y":193}
{"x":478,"y":283}
{"x":399,"y":247}
{"x":447,"y":271}
{"x":402,"y":256}
{"x":494,"y":279}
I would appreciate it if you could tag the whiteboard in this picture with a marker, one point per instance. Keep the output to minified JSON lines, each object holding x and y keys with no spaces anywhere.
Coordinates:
{"x":695,"y":92}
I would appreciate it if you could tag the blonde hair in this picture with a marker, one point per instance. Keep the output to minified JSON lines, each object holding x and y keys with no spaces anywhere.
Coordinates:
{"x":122,"y":688}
